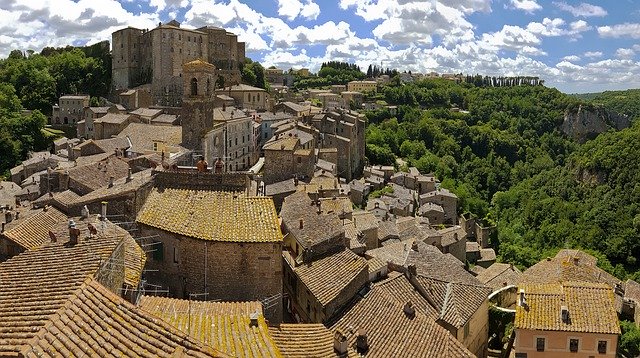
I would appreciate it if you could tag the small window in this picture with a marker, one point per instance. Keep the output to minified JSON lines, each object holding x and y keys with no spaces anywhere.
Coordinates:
{"x":158,"y":251}
{"x":540,"y":344}
{"x":602,"y":347}
{"x":299,"y":160}
{"x":521,"y":355}
{"x":573,"y":344}
{"x":175,"y":255}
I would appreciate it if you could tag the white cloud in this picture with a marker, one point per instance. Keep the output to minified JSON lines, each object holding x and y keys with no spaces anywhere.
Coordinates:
{"x":571,"y":58}
{"x":555,"y":27}
{"x":593,"y":54}
{"x":294,"y":8}
{"x":584,"y":9}
{"x":621,"y":30}
{"x":529,"y":6}
{"x":625,"y":53}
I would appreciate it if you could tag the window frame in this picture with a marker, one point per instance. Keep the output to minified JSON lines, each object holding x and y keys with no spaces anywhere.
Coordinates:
{"x":577,"y":345}
{"x":606,"y":344}
{"x":544,"y":344}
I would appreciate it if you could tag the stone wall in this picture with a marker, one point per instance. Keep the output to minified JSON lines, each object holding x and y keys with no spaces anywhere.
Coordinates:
{"x":228,"y":271}
{"x":278,"y":165}
{"x":205,"y":181}
{"x":111,"y":272}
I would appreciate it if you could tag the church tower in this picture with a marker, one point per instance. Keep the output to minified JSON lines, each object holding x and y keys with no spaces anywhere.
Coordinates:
{"x":198,"y":81}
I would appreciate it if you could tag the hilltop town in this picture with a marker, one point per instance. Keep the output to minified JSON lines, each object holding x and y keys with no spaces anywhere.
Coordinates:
{"x":192,"y":214}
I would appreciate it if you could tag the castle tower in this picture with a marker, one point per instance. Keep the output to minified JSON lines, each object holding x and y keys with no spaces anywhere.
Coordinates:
{"x":198,"y":81}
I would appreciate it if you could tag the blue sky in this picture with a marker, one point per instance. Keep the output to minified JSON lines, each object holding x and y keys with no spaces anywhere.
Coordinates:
{"x":576,"y":46}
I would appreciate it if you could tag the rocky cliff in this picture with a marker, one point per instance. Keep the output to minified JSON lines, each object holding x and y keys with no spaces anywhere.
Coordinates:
{"x":586,"y":122}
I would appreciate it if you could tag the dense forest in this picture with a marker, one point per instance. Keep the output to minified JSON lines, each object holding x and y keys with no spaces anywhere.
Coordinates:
{"x":331,"y":73}
{"x":505,"y":157}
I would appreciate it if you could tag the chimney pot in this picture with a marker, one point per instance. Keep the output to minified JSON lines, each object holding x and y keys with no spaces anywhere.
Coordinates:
{"x":409,"y":310}
{"x":301,"y":223}
{"x":412,"y":270}
{"x":103,"y":210}
{"x":414,"y":246}
{"x":111,"y":182}
{"x":253,"y":319}
{"x":340,"y":343}
{"x":85,"y":212}
{"x":129,"y":172}
{"x":361,"y":341}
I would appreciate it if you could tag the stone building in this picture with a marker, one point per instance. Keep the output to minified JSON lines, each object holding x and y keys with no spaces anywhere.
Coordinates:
{"x":285,"y":158}
{"x":247,"y":97}
{"x":85,"y":126}
{"x":110,"y":125}
{"x":319,"y":290}
{"x":447,"y":200}
{"x":70,"y":109}
{"x":362,"y":86}
{"x":274,"y":76}
{"x":231,"y":139}
{"x":344,"y":130}
{"x":208,"y":238}
{"x":156,"y":56}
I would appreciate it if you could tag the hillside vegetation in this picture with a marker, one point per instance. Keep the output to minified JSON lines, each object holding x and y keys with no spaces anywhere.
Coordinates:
{"x":506,"y":158}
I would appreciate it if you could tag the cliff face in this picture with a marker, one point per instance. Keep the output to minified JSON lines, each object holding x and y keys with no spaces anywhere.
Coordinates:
{"x":586,"y":123}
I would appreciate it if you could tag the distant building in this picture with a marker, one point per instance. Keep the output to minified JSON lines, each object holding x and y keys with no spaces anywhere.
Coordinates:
{"x":70,"y":109}
{"x":362,"y":86}
{"x":156,"y":56}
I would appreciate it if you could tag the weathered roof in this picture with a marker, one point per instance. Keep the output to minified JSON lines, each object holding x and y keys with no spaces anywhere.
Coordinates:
{"x":134,"y":260}
{"x":32,"y":231}
{"x":147,"y":112}
{"x":143,"y":136}
{"x":365,"y":220}
{"x":430,"y":262}
{"x":591,"y":308}
{"x":429,"y":207}
{"x":456,"y":302}
{"x":496,"y":275}
{"x":393,"y":333}
{"x":327,"y":277}
{"x":108,"y":145}
{"x":242,"y":88}
{"x":305,"y":340}
{"x":36,"y":284}
{"x":452,"y":235}
{"x":439,"y":192}
{"x":120,"y":187}
{"x":338,"y":205}
{"x":113,"y":118}
{"x":96,"y":175}
{"x":567,"y":265}
{"x":316,"y":227}
{"x":285,"y":143}
{"x":165,"y":118}
{"x":212,"y":215}
{"x":95,"y":322}
{"x":285,"y":186}
{"x":398,"y":287}
{"x":225,"y":326}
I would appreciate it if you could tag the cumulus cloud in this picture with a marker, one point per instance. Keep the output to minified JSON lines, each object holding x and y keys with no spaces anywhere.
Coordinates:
{"x":625,"y":53}
{"x":621,"y":30}
{"x":593,"y":54}
{"x":294,"y":8}
{"x":555,"y":27}
{"x":571,"y":58}
{"x":584,"y":9}
{"x":529,"y":6}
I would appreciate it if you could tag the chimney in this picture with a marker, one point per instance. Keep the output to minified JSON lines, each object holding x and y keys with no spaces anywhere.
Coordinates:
{"x":85,"y":212}
{"x":361,"y":341}
{"x":414,"y":246}
{"x":8,"y":217}
{"x":74,"y":232}
{"x":301,"y":223}
{"x":103,"y":210}
{"x":340,"y":343}
{"x":224,"y":107}
{"x":52,"y":236}
{"x":409,"y":310}
{"x":576,"y":260}
{"x":411,"y":269}
{"x":522,"y":301}
{"x":17,"y":215}
{"x":110,"y":182}
{"x":254,"y":319}
{"x":129,"y":173}
{"x":564,"y":313}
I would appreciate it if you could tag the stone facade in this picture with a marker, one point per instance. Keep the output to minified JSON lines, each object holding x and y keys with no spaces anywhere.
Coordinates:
{"x":70,"y":109}
{"x":197,"y":103}
{"x":156,"y":56}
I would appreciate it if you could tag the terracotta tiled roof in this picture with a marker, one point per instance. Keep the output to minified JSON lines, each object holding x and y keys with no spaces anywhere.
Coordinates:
{"x":327,"y":277}
{"x":119,"y":188}
{"x":90,"y":177}
{"x":305,"y":340}
{"x":36,"y":284}
{"x":430,"y":262}
{"x":452,"y":234}
{"x":365,"y":220}
{"x":212,"y":215}
{"x":399,"y":287}
{"x":95,"y":322}
{"x":591,"y":308}
{"x":112,"y":118}
{"x":33,"y":231}
{"x":567,"y":265}
{"x":393,"y":333}
{"x":143,"y":136}
{"x":316,"y":228}
{"x":632,"y":290}
{"x":65,"y":198}
{"x":286,"y":143}
{"x":497,"y":274}
{"x":134,"y":260}
{"x":455,"y":302}
{"x":225,"y":326}
{"x":338,"y":205}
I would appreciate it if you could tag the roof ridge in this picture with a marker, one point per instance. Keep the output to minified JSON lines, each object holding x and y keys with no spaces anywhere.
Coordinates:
{"x":445,"y":301}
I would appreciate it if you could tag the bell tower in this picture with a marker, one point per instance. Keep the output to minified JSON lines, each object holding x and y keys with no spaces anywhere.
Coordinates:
{"x":198,"y":82}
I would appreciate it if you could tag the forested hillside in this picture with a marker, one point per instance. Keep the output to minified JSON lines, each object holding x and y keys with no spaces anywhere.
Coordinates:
{"x":506,"y":158}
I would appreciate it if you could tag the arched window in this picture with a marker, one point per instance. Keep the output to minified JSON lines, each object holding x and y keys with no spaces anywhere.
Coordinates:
{"x":194,"y":87}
